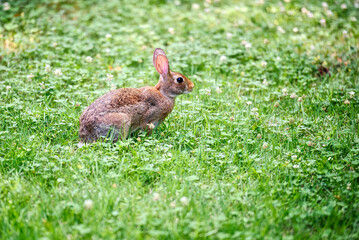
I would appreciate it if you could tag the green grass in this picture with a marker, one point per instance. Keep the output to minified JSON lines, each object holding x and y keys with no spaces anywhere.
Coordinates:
{"x":217,"y":168}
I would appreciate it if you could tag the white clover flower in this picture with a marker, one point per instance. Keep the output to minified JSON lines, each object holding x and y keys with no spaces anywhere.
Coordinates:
{"x":171,"y":30}
{"x":107,"y":50}
{"x":300,"y":99}
{"x":184,"y":201}
{"x":6,"y":6}
{"x":246,"y":44}
{"x":322,"y":22}
{"x":88,"y":59}
{"x":156,"y":197}
{"x":329,"y":13}
{"x":218,"y":90}
{"x":254,"y":109}
{"x":195,"y":6}
{"x":88,"y":204}
{"x":207,"y":10}
{"x":54,"y":44}
{"x":295,"y":29}
{"x":280,"y":29}
{"x":108,"y":35}
{"x":349,"y":185}
{"x":265,"y":145}
{"x":58,"y":72}
{"x":353,"y":19}
{"x":208,"y":92}
{"x":324,"y":5}
{"x":47,"y":68}
{"x":229,"y":35}
{"x":293,"y":95}
{"x":343,"y":6}
{"x":30,"y":76}
{"x":351,"y":94}
{"x":151,"y":126}
{"x":264,"y":64}
{"x":295,"y":166}
{"x":265,"y":41}
{"x":346,"y":101}
{"x":345,"y":33}
{"x":294,"y":157}
{"x":249,"y":103}
{"x":8,"y":88}
{"x":109,"y":77}
{"x":177,"y":3}
{"x":307,"y":12}
{"x":356,"y":4}
{"x":173,"y":204}
{"x":223,"y":58}
{"x":285,"y":91}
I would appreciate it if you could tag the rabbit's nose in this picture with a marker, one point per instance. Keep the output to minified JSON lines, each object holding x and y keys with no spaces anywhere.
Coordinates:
{"x":191,"y":86}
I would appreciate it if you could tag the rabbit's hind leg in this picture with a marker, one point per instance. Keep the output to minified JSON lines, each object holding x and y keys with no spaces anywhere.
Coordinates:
{"x":114,"y":126}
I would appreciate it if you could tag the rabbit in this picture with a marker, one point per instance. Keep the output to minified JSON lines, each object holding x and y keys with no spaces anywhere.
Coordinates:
{"x":123,"y":111}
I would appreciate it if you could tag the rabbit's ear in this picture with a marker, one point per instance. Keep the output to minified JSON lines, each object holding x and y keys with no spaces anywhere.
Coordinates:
{"x":160,"y":62}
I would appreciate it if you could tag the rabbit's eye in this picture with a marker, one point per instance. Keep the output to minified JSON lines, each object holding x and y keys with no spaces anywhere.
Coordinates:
{"x":179,"y":79}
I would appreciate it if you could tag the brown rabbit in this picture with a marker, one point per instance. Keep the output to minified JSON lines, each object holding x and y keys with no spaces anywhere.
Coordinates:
{"x":123,"y":111}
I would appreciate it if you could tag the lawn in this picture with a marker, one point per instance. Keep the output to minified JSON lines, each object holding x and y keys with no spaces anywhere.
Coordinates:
{"x":265,"y":147}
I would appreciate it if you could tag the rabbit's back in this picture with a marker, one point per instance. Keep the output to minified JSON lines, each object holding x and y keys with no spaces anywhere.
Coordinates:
{"x":116,"y":99}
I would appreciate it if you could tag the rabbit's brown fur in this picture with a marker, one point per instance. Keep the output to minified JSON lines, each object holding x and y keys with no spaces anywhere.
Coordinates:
{"x":123,"y":111}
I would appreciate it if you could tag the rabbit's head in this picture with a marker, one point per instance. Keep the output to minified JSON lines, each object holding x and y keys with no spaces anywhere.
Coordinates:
{"x":171,"y":83}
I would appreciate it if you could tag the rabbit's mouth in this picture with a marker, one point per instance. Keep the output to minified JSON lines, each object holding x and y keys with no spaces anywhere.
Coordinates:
{"x":188,"y":91}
